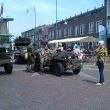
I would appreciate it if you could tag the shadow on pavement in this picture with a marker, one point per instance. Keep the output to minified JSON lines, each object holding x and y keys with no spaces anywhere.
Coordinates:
{"x":89,"y":81}
{"x":2,"y":73}
{"x":66,"y":73}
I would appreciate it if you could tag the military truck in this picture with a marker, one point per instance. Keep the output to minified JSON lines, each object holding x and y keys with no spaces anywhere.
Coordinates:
{"x":5,"y":45}
{"x":20,"y":49}
{"x":6,"y":53}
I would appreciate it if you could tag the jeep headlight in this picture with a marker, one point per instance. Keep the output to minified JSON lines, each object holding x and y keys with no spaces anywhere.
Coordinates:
{"x":7,"y":50}
{"x":12,"y":58}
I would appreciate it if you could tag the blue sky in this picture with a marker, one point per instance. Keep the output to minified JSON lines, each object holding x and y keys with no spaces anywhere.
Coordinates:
{"x":45,"y":10}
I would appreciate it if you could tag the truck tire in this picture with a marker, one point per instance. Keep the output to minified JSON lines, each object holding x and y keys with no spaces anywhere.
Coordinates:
{"x":58,"y":69}
{"x":76,"y":71}
{"x":8,"y":68}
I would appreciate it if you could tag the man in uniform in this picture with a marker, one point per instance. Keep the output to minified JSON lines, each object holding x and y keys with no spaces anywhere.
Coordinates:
{"x":53,"y":49}
{"x":31,"y":57}
{"x":44,"y":56}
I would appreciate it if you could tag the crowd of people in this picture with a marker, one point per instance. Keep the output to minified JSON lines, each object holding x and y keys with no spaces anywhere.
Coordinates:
{"x":46,"y":50}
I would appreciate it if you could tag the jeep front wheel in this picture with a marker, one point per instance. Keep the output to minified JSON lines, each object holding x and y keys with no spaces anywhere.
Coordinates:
{"x":8,"y":68}
{"x":58,"y":69}
{"x":76,"y":71}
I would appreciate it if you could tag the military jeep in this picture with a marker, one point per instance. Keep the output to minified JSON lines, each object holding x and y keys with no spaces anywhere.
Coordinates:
{"x":60,"y":62}
{"x":5,"y":54}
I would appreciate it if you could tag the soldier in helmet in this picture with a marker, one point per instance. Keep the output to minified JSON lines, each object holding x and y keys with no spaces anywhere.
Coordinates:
{"x":31,"y":57}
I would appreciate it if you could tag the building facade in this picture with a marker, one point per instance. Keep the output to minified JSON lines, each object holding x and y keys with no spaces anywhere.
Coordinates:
{"x":38,"y":35}
{"x":84,"y":24}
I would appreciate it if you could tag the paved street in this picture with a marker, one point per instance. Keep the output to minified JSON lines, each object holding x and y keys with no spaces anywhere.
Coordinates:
{"x":30,"y":91}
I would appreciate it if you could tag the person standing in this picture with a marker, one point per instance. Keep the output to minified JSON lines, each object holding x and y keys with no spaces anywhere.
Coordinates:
{"x":101,"y":52}
{"x":76,"y":51}
{"x":31,"y":57}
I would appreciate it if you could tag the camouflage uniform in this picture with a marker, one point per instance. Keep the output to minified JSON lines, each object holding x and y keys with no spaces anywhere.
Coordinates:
{"x":44,"y":56}
{"x":31,"y":57}
{"x":41,"y":58}
{"x":53,"y":49}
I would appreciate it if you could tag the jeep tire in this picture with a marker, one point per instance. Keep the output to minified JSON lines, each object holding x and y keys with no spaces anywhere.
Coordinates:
{"x":58,"y":69}
{"x":8,"y":68}
{"x":76,"y":71}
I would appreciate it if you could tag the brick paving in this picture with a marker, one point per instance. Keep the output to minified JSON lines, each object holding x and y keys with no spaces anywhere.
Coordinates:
{"x":27,"y":91}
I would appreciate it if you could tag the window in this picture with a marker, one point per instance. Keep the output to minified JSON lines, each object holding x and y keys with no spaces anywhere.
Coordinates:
{"x":37,"y":37}
{"x":97,"y":25}
{"x":69,"y":31}
{"x":65,"y":32}
{"x":32,"y":32}
{"x":52,"y":34}
{"x":108,"y":27}
{"x":59,"y":33}
{"x":81,"y":29}
{"x":91,"y":27}
{"x":76,"y":30}
{"x":108,"y":8}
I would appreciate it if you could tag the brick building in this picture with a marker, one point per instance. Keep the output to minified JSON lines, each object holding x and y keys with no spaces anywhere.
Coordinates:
{"x":84,"y":24}
{"x":38,"y":35}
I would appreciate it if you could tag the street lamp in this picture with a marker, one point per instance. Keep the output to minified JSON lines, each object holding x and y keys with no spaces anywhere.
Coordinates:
{"x":34,"y":10}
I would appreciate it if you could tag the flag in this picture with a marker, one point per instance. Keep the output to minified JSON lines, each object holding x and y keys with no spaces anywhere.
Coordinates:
{"x":101,"y":28}
{"x":102,"y":33}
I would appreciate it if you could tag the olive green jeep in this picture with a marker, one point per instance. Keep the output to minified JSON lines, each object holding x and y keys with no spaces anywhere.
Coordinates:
{"x":60,"y":62}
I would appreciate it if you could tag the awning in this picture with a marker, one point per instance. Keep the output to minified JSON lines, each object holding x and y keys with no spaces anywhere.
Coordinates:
{"x":80,"y":39}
